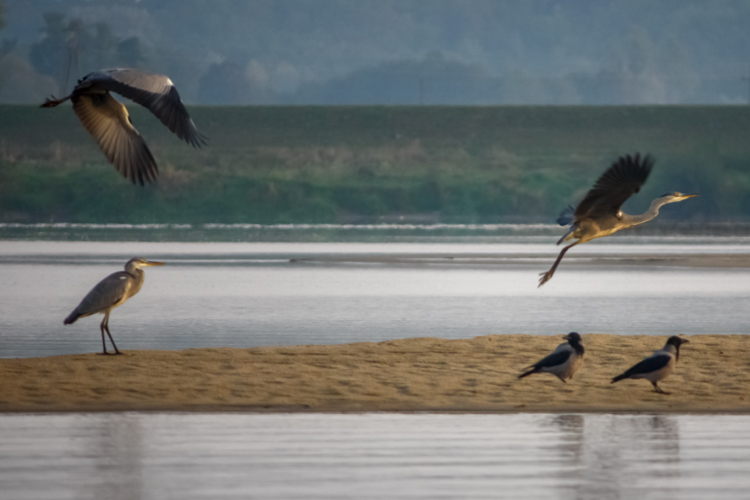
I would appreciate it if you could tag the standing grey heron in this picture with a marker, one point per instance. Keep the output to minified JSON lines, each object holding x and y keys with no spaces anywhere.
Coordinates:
{"x":599,"y":213}
{"x":112,"y":291}
{"x":658,"y":366}
{"x":563,"y":362}
{"x":109,"y":123}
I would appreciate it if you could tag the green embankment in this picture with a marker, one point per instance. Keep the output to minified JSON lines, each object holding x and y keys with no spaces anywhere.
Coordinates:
{"x":343,"y":164}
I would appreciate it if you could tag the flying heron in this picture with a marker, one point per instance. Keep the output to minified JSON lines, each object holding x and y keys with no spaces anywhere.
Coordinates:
{"x":109,"y":123}
{"x":599,"y":213}
{"x":112,"y":291}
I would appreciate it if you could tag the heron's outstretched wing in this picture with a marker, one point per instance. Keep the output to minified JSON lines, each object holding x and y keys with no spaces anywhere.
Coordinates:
{"x":104,"y":295}
{"x":108,"y":122}
{"x":624,"y":178}
{"x":155,"y":92}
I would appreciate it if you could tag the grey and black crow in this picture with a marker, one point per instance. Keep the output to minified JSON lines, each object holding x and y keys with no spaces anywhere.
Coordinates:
{"x":657,"y":366}
{"x":563,"y":362}
{"x":109,"y":123}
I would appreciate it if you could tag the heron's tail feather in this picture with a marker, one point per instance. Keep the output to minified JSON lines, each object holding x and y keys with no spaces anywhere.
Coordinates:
{"x":566,"y":216}
{"x":72,"y":318}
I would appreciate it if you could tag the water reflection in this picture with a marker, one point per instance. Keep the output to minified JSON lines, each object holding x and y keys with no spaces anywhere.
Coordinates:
{"x":118,"y":443}
{"x":609,"y":454}
{"x":123,"y":456}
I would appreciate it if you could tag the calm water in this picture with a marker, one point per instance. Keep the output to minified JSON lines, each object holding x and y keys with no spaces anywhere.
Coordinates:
{"x":431,"y":456}
{"x":250,"y":294}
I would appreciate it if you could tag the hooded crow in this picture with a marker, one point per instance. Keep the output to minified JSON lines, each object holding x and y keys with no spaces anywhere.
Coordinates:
{"x":563,"y":362}
{"x":657,"y":366}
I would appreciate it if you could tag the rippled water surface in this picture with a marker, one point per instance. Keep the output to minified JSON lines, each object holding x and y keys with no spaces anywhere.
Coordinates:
{"x":253,"y":294}
{"x":322,"y":456}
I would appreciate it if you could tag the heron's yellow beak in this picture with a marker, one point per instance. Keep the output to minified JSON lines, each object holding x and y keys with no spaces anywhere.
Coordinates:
{"x":153,"y":263}
{"x":686,"y":196}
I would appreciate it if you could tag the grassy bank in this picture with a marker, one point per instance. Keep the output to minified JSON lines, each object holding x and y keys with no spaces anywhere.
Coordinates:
{"x":350,"y":164}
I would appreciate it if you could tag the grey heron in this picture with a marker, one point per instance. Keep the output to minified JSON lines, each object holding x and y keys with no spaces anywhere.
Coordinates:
{"x":599,"y":213}
{"x":109,"y":123}
{"x":112,"y":291}
{"x":563,"y":362}
{"x":658,"y":366}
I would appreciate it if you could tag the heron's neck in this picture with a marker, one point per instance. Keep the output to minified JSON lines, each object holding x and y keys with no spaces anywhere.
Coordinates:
{"x":649,"y":214}
{"x":135,"y":272}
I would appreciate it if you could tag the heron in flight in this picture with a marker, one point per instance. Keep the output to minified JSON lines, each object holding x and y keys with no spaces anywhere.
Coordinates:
{"x":109,"y":123}
{"x":112,"y":291}
{"x":599,"y":213}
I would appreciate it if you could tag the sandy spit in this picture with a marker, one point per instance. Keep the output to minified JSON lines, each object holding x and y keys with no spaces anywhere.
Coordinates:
{"x":418,"y":374}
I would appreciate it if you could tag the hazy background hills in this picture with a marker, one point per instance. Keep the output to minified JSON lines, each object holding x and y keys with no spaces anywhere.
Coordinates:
{"x":388,"y":51}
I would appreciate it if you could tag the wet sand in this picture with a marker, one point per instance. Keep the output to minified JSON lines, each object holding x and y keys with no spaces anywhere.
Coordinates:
{"x":419,"y":374}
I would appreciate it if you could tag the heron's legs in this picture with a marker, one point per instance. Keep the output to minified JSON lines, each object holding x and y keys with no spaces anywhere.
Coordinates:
{"x":545,"y":277}
{"x":104,"y":345}
{"x":105,"y":327}
{"x":51,"y":103}
{"x":658,"y":389}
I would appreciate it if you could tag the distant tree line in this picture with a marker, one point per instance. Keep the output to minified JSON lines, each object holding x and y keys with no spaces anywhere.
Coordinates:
{"x":70,"y":48}
{"x":240,"y":52}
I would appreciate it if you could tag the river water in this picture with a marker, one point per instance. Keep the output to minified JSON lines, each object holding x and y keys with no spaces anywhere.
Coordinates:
{"x":256,"y":294}
{"x":374,"y":456}
{"x":252,"y":294}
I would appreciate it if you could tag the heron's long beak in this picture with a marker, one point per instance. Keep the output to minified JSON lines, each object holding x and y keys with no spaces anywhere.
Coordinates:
{"x":686,"y":196}
{"x":153,"y":263}
{"x":684,"y":341}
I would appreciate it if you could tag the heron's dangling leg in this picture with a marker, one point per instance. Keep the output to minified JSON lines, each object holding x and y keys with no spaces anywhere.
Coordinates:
{"x":545,"y":277}
{"x":658,"y":389}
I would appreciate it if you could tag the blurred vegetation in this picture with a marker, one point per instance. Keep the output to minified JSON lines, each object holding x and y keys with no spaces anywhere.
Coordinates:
{"x":457,"y":52}
{"x":374,"y":163}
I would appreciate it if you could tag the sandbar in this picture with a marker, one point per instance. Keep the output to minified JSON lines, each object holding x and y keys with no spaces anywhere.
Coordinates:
{"x":409,"y":375}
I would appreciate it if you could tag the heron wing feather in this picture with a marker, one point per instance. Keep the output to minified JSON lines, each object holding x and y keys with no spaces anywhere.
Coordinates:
{"x":121,"y":144}
{"x":624,"y":178}
{"x":107,"y":293}
{"x":157,"y":93}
